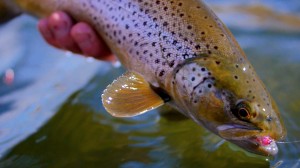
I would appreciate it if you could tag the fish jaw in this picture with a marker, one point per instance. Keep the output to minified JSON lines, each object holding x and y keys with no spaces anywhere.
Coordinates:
{"x":250,"y":139}
{"x":253,"y":145}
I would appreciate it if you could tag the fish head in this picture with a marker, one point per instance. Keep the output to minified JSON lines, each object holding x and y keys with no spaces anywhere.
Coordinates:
{"x":228,"y":98}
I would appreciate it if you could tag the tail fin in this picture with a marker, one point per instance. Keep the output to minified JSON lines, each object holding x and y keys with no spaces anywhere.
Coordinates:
{"x":8,"y":10}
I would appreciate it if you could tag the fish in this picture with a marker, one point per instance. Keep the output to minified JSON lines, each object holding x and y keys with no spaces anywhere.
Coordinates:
{"x":179,"y":53}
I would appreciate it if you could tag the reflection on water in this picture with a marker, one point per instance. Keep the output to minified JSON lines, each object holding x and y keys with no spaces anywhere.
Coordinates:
{"x":51,"y":115}
{"x":42,"y":80}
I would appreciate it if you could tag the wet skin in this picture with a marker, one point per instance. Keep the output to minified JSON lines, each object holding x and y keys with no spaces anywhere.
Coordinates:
{"x":61,"y":31}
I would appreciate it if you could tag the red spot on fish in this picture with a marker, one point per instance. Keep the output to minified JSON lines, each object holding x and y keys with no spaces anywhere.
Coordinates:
{"x":265,"y":140}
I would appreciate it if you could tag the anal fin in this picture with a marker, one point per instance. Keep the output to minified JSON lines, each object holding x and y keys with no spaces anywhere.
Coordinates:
{"x":130,"y":95}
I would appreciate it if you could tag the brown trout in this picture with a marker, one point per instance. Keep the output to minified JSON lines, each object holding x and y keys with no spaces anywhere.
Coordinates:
{"x":176,"y":52}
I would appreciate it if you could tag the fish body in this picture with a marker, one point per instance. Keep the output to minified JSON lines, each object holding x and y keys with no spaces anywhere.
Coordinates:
{"x":180,"y":53}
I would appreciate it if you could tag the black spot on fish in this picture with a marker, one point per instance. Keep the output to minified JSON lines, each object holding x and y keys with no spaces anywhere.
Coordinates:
{"x":185,"y":56}
{"x":161,"y":73}
{"x":171,"y":64}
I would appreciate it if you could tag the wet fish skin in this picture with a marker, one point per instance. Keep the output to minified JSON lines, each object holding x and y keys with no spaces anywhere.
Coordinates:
{"x":183,"y":48}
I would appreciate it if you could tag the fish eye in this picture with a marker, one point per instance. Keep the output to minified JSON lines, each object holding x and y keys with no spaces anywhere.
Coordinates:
{"x":242,"y":111}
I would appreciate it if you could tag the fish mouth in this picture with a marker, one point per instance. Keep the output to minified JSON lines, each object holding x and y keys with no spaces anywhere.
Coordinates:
{"x":250,"y":138}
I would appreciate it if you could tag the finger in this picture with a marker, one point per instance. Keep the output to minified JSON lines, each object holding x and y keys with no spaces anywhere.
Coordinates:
{"x":60,"y":25}
{"x":43,"y":27}
{"x":90,"y":43}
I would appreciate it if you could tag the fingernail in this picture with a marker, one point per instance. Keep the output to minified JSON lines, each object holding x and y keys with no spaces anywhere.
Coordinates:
{"x":59,"y":26}
{"x":60,"y":30}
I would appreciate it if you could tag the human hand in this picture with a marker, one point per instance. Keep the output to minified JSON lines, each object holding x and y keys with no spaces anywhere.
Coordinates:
{"x":61,"y":31}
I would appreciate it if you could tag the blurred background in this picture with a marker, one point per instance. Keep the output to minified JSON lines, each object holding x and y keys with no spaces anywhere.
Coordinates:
{"x":51,"y":113}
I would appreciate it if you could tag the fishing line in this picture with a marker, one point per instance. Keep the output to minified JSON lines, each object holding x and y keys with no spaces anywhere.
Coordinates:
{"x":284,"y":142}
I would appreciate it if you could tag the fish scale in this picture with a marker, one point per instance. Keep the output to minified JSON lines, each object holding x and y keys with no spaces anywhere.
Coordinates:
{"x":179,"y":30}
{"x":170,"y":41}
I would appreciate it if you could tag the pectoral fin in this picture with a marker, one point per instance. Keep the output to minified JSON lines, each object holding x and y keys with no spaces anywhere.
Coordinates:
{"x":130,"y":95}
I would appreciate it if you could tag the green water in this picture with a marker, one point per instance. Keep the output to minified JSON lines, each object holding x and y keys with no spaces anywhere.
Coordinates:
{"x":52,"y":115}
{"x":82,"y":135}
